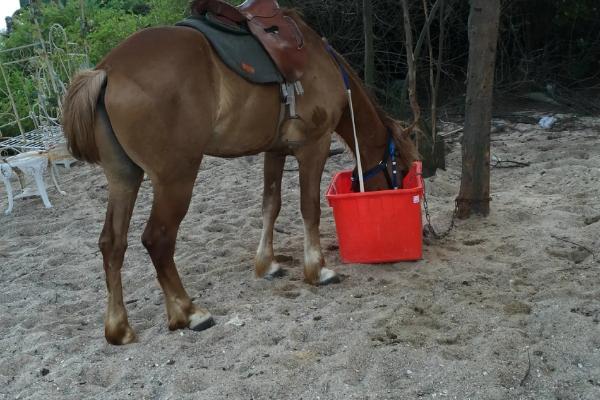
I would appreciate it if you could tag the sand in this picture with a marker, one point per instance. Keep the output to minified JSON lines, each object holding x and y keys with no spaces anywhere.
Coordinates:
{"x":503,"y":308}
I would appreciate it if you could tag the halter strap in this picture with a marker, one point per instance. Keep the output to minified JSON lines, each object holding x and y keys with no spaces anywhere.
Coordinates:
{"x":343,"y":71}
{"x":389,"y":153}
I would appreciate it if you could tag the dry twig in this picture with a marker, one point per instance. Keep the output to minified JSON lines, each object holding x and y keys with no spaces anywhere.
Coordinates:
{"x":528,"y":369}
{"x":509,"y":164}
{"x":452,"y":132}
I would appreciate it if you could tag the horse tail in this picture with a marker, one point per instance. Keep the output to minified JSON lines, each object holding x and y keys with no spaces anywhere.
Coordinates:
{"x":79,"y":114}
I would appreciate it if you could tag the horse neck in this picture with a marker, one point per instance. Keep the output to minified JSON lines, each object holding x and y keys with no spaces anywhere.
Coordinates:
{"x":371,"y":129}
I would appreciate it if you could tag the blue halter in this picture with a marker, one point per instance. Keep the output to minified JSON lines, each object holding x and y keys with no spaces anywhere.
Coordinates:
{"x":389,"y":154}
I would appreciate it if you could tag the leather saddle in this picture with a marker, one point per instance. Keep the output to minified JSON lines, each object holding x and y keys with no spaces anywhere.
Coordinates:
{"x":278,"y":33}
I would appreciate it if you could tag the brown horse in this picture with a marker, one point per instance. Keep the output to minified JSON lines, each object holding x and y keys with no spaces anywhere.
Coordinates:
{"x":161,"y":100}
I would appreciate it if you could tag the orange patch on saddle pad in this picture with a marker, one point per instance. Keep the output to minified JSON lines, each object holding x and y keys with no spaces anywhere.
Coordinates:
{"x":248,"y":68}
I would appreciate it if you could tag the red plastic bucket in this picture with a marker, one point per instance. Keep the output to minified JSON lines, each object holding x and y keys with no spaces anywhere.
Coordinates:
{"x":381,"y":226}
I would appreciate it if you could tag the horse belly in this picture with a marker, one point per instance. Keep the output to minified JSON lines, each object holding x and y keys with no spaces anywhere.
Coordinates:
{"x":247,"y":118}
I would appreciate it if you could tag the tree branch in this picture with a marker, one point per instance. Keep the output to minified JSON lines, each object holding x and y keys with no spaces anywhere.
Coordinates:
{"x":417,"y":50}
{"x":412,"y":73}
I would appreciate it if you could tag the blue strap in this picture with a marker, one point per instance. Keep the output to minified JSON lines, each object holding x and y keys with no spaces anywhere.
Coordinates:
{"x":392,"y":150}
{"x":374,"y":171}
{"x":389,"y":154}
{"x":345,"y":75}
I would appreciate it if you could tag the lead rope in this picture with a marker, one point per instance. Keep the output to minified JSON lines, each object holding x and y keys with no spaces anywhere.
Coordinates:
{"x":429,"y":226}
{"x":361,"y":180}
{"x":346,"y":78}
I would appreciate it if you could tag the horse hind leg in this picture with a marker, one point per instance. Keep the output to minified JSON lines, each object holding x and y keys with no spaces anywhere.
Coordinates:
{"x":124,"y":179}
{"x":265,"y":264}
{"x":171,"y":202}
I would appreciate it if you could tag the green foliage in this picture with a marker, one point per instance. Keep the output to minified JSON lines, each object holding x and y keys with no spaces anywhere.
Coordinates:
{"x":569,"y":11}
{"x":107,"y":23}
{"x":112,"y":23}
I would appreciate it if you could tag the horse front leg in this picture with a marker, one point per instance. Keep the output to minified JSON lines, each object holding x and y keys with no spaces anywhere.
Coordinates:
{"x":171,"y":202}
{"x":311,"y":160}
{"x":265,"y":264}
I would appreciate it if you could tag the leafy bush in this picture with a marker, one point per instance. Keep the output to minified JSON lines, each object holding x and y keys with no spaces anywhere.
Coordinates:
{"x":107,"y":23}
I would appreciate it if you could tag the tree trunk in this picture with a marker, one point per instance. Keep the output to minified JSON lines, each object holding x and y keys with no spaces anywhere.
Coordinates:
{"x":369,"y":51}
{"x":474,"y":196}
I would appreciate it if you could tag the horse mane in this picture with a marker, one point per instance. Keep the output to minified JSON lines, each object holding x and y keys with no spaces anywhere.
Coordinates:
{"x":400,"y":130}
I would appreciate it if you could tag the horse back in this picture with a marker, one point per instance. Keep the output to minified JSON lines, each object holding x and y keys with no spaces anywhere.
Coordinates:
{"x":167,"y":91}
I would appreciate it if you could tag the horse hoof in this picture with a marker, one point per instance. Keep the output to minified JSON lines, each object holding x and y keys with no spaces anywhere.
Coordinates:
{"x":201,"y":322}
{"x":122,"y":338}
{"x":328,"y":277}
{"x":275,"y":271}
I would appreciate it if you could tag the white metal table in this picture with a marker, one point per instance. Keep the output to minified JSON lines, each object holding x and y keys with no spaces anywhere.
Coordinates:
{"x":43,"y":138}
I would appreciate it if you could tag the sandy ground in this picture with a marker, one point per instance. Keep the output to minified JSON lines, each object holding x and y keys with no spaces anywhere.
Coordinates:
{"x":504,"y":308}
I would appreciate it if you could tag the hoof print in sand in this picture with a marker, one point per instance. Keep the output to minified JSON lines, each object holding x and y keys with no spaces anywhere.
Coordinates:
{"x":288,"y":291}
{"x":576,"y":254}
{"x":517,"y":307}
{"x":592,"y":220}
{"x":587,"y":310}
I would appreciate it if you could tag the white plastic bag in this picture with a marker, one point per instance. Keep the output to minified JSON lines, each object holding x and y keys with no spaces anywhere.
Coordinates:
{"x":547,"y":122}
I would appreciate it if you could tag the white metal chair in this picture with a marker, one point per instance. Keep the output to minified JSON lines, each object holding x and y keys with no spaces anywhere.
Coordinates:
{"x":31,"y":164}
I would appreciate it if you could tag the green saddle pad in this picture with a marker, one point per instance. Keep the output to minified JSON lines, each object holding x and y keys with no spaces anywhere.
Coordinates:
{"x":237,"y":48}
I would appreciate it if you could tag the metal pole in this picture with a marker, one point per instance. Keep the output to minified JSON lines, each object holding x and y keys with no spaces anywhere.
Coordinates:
{"x":84,"y":31}
{"x":12,"y":101}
